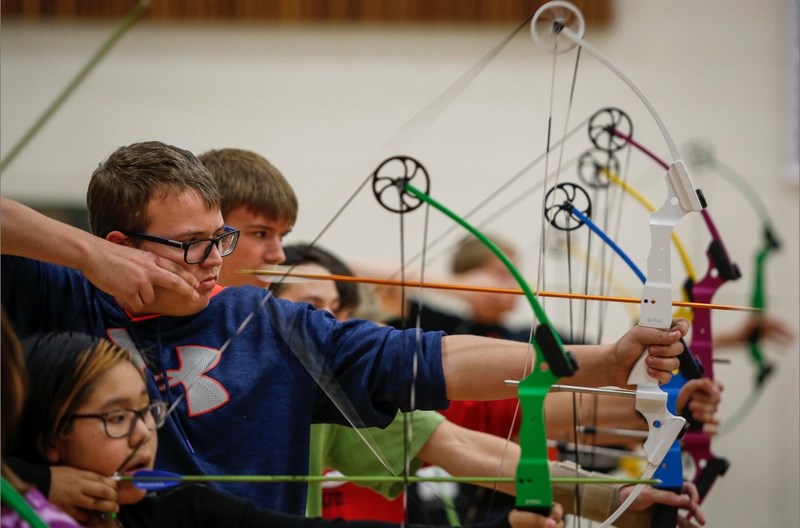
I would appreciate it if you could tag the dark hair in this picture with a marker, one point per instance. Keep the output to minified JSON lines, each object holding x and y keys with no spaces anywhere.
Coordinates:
{"x":349,"y":295}
{"x":12,"y":385}
{"x":63,"y":370}
{"x":246,"y":179}
{"x":12,"y":380}
{"x":122,"y":185}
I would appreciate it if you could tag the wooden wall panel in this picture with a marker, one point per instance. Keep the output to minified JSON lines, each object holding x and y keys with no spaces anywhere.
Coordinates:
{"x":596,"y":12}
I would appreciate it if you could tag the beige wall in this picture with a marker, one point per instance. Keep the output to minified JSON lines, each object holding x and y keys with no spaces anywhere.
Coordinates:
{"x":320,"y":102}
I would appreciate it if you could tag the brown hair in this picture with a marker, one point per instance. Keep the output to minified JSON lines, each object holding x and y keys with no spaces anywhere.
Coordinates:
{"x":246,"y":179}
{"x":471,"y":253}
{"x":12,"y":383}
{"x":122,"y":185}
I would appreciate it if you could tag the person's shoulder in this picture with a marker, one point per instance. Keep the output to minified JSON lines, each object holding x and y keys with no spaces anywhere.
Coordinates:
{"x":15,"y":263}
{"x":242,"y":298}
{"x":426,"y":418}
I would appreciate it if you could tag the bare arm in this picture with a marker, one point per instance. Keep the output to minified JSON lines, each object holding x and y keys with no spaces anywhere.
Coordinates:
{"x":600,"y":412}
{"x":476,"y":367}
{"x":26,"y":233}
{"x":599,"y":501}
{"x":464,"y":452}
{"x":762,"y":326}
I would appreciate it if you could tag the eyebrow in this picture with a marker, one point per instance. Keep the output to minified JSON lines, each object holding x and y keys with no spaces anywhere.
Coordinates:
{"x":198,"y":234}
{"x":266,"y":227}
{"x":118,"y":402}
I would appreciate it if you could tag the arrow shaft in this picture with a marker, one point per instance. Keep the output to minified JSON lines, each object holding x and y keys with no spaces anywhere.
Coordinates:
{"x":483,"y":289}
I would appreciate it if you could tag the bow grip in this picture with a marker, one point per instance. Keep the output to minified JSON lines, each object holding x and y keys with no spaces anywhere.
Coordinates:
{"x":715,"y":467}
{"x":563,"y":365}
{"x":651,"y":402}
{"x":690,"y":365}
{"x":639,"y":375}
{"x":665,"y":516}
{"x":694,"y":425}
{"x":726,"y":269}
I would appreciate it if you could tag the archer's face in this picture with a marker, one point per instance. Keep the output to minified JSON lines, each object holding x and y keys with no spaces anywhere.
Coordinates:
{"x":183,"y":218}
{"x":260,"y":246}
{"x":87,"y":446}
{"x":321,"y":294}
{"x":491,"y":308}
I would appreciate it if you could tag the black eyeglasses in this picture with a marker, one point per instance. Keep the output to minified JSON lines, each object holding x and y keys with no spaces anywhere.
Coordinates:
{"x":197,"y":251}
{"x":122,"y":422}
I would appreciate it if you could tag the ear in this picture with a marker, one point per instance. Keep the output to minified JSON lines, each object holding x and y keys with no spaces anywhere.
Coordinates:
{"x":53,"y":452}
{"x":117,"y":237}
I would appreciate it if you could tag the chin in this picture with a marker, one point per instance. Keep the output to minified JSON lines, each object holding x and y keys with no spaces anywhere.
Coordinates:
{"x":182,"y":307}
{"x":127,"y":493}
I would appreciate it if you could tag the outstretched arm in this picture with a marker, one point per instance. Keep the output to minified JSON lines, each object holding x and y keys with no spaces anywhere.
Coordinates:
{"x":762,"y":326}
{"x":595,"y":411}
{"x":127,"y":273}
{"x":464,"y":452}
{"x":475,"y":368}
{"x":599,"y":501}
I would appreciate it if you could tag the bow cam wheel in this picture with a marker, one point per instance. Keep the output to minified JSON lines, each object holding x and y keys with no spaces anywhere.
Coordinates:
{"x":610,"y":129}
{"x":699,"y":153}
{"x":592,"y":167}
{"x":559,"y":203}
{"x":393,"y":175}
{"x":548,"y":22}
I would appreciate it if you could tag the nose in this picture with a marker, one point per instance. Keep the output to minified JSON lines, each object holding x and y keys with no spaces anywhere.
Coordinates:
{"x":140,"y":432}
{"x":274,"y":252}
{"x":214,"y":257}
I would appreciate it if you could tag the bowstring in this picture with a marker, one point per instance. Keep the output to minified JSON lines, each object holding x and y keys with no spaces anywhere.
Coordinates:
{"x":541,"y":277}
{"x":405,"y":135}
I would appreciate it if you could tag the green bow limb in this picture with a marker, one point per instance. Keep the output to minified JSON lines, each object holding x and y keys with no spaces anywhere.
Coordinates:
{"x":534,"y":490}
{"x":14,"y":500}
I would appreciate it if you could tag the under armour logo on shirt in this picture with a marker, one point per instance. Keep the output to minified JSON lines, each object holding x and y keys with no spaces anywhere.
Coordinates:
{"x":204,"y":392}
